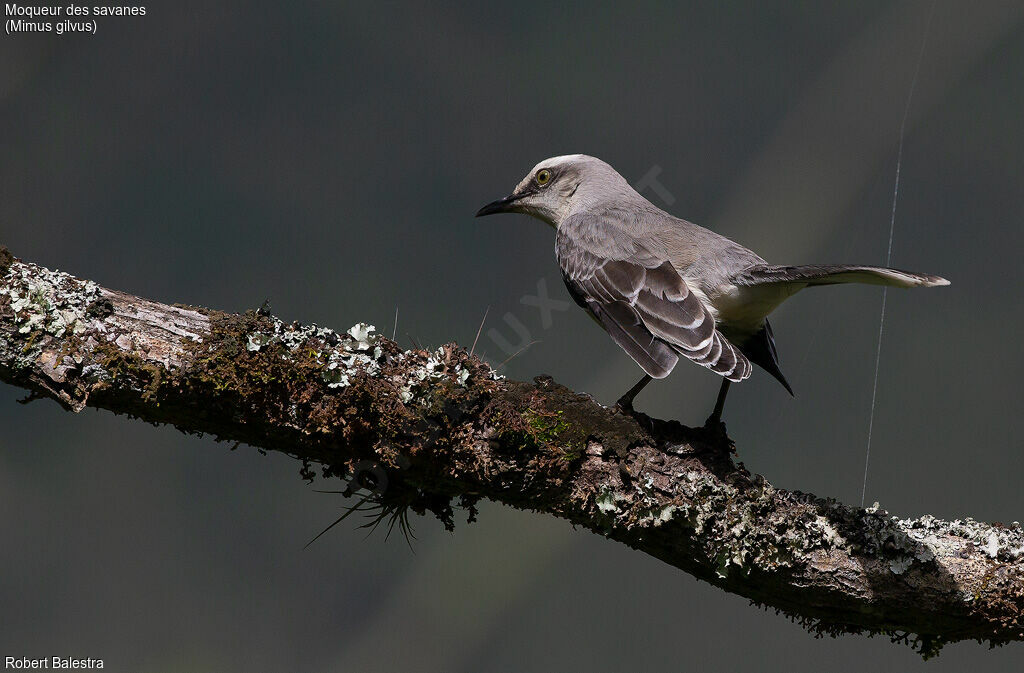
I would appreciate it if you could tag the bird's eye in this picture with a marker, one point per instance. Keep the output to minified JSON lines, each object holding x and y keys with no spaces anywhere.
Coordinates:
{"x":543,"y":176}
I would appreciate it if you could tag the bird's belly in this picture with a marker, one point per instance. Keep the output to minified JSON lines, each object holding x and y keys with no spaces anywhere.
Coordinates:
{"x":740,"y":310}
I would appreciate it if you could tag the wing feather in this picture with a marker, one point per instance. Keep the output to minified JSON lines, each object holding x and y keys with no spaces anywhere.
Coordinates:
{"x":646,"y":307}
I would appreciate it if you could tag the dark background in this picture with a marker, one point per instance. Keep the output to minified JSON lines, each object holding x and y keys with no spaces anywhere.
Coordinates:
{"x":330,"y":159}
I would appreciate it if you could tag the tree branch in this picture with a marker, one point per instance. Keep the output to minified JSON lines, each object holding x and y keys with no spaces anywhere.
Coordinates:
{"x":428,"y":429}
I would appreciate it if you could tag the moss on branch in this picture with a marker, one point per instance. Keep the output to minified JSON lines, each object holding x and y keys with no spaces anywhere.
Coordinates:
{"x":433,"y":430}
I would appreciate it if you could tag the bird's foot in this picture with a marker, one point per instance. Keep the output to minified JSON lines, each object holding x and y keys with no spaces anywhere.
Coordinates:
{"x":715,"y":425}
{"x":624,"y":407}
{"x":714,"y":430}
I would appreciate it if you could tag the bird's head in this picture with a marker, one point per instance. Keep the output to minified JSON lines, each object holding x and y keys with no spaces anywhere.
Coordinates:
{"x":560,"y":186}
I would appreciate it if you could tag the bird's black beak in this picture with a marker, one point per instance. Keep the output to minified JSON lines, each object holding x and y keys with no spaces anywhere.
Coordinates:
{"x":500,"y":206}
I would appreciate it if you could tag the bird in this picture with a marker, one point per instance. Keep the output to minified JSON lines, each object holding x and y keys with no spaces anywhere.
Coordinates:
{"x":665,"y":288}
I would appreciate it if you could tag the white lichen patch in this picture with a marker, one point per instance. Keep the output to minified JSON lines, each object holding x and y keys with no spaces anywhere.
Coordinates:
{"x":664,"y":514}
{"x":901,"y":564}
{"x":418,"y":379}
{"x":51,"y":302}
{"x":95,"y":373}
{"x":342,"y":355}
{"x":992,"y":546}
{"x":828,"y":532}
{"x":651,"y":509}
{"x":738,"y":529}
{"x":257,"y":341}
{"x":360,"y":354}
{"x":608,"y":501}
{"x":363,"y":335}
{"x":999,"y":543}
{"x":882,"y":536}
{"x":358,"y":351}
{"x":293,"y":336}
{"x":46,"y":305}
{"x":709,"y":498}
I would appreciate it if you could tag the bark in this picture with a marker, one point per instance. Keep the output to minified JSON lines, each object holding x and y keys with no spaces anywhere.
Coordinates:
{"x":434,"y":430}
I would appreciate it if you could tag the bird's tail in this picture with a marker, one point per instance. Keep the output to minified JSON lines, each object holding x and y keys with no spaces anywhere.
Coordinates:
{"x":760,"y":349}
{"x":831,"y":274}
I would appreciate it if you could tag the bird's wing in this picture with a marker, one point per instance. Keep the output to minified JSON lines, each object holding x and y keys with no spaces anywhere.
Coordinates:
{"x":646,"y":306}
{"x":836,"y":273}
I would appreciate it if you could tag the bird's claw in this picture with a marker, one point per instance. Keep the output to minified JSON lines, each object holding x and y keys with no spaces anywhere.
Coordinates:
{"x":714,"y":430}
{"x":715,"y":426}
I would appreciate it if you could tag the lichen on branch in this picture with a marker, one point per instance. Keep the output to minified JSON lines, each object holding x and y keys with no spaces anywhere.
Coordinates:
{"x":432,"y":430}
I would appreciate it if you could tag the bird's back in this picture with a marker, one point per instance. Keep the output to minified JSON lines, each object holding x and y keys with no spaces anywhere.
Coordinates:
{"x":703,"y":257}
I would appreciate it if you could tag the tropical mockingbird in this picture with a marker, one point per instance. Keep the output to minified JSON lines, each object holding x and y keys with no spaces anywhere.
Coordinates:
{"x":663,"y":287}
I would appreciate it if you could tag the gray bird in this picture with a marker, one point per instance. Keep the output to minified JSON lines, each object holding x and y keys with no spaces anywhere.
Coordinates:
{"x":663,"y":287}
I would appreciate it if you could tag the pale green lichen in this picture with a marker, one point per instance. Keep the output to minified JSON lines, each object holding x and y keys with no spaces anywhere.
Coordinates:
{"x":356,"y":352}
{"x":360,"y":352}
{"x":364,"y":335}
{"x":738,"y":529}
{"x":828,"y":532}
{"x":656,"y":516}
{"x":292,"y":336}
{"x":608,"y":499}
{"x":49,"y":302}
{"x":420,"y":378}
{"x":904,"y":542}
{"x":999,"y":543}
{"x":883,"y":537}
{"x":46,"y":305}
{"x":256,"y":341}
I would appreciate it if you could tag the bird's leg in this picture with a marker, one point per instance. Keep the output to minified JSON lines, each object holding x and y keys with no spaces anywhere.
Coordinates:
{"x":625,"y":402}
{"x":716,"y":416}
